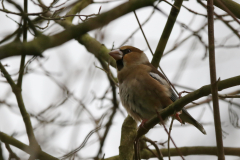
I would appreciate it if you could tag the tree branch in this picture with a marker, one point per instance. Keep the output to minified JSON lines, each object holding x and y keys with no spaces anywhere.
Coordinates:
{"x":91,"y":44}
{"x":180,"y":103}
{"x":166,"y":33}
{"x":77,"y":8}
{"x":12,"y":141}
{"x":114,"y":103}
{"x":25,"y":116}
{"x":42,"y":43}
{"x":214,"y":85}
{"x":98,"y":49}
{"x":186,"y":151}
{"x":128,"y":134}
{"x":234,"y":7}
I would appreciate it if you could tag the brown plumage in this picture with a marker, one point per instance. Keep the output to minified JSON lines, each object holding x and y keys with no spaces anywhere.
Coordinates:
{"x":143,"y":89}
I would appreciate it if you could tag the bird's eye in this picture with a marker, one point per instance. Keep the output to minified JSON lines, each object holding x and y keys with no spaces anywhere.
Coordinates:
{"x":126,"y":51}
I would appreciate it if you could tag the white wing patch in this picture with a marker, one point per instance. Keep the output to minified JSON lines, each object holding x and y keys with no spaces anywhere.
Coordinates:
{"x":158,"y":78}
{"x":163,"y":82}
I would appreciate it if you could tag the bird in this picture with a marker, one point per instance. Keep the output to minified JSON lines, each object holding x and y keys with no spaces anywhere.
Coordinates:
{"x":143,"y":89}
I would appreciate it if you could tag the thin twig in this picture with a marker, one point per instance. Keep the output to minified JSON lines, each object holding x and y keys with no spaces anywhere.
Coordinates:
{"x":220,"y":18}
{"x":149,"y":17}
{"x":20,"y":14}
{"x":162,"y":122}
{"x":82,"y":144}
{"x":22,"y":63}
{"x":228,"y":11}
{"x":136,"y":149}
{"x":159,"y":154}
{"x":11,"y":35}
{"x":12,"y":155}
{"x":114,"y":103}
{"x":143,"y":32}
{"x":169,"y":135}
{"x":196,"y":13}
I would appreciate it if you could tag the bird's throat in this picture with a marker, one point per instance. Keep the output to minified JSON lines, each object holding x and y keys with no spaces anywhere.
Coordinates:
{"x":119,"y":64}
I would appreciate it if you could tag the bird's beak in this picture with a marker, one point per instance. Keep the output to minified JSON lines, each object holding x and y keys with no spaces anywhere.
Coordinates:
{"x":116,"y":54}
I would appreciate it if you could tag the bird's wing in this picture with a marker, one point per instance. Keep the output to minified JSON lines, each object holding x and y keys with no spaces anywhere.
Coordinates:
{"x":185,"y":116}
{"x":154,"y":73}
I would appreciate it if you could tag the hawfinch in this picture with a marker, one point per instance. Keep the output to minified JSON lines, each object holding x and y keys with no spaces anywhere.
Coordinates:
{"x":143,"y":89}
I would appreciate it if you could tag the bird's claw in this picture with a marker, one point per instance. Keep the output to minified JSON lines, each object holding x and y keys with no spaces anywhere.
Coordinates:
{"x":142,"y":123}
{"x":178,"y":117}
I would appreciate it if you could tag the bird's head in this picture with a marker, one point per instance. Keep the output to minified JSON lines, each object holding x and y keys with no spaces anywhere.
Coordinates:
{"x":127,"y":55}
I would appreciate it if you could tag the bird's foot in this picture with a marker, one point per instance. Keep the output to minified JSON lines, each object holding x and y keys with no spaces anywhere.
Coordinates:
{"x":180,"y":93}
{"x":142,"y":123}
{"x":177,"y":116}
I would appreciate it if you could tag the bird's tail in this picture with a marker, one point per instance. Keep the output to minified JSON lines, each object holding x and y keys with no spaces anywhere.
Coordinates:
{"x":186,"y":117}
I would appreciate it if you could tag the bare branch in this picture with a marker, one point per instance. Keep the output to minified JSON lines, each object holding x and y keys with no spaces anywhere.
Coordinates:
{"x":10,"y":140}
{"x":180,"y":103}
{"x":166,"y":33}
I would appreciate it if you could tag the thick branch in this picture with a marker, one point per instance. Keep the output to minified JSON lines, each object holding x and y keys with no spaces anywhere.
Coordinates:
{"x":12,"y":141}
{"x":91,"y":44}
{"x":234,"y":7}
{"x":180,"y":103}
{"x":98,"y":49}
{"x":128,"y":134}
{"x":166,"y":32}
{"x":42,"y":43}
{"x":186,"y":151}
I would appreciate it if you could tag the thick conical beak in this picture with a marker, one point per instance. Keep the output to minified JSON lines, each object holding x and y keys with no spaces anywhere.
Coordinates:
{"x":116,"y":54}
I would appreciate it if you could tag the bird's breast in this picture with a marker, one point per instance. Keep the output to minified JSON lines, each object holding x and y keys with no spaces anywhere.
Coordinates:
{"x":139,"y":99}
